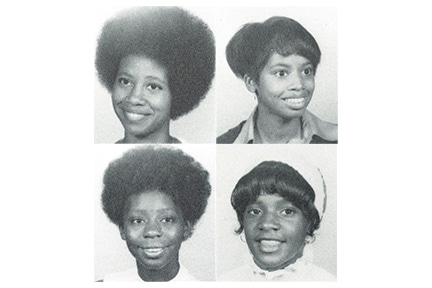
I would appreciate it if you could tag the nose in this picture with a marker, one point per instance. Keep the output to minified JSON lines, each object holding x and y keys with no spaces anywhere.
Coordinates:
{"x":152,"y":229}
{"x":137,"y":95}
{"x":295,"y":81}
{"x":268,"y":222}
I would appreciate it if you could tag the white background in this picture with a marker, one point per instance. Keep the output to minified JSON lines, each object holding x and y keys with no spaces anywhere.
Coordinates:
{"x":234,"y":161}
{"x":229,"y":102}
{"x":384,"y":155}
{"x":197,"y":253}
{"x":198,"y":126}
{"x":234,"y":102}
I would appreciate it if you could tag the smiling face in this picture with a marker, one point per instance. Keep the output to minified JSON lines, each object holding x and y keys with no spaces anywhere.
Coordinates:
{"x":275,"y":231}
{"x":285,"y":86}
{"x":142,"y":99}
{"x":154,"y":228}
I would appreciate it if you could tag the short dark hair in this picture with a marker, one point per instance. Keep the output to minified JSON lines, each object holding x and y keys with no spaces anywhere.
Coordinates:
{"x":273,"y":177}
{"x":250,"y":48}
{"x":179,"y":41}
{"x":154,"y":167}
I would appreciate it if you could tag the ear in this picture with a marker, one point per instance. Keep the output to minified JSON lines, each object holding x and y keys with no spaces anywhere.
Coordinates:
{"x":122,"y":232}
{"x":187,"y":230}
{"x":251,"y":85}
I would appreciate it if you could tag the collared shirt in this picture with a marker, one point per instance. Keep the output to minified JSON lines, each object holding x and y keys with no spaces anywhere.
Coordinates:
{"x":311,"y":125}
{"x":301,"y":270}
{"x":314,"y":131}
{"x":131,"y":275}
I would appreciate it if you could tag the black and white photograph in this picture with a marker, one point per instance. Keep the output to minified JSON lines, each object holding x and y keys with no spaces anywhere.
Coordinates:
{"x":154,"y":213}
{"x":186,"y":87}
{"x":155,"y":65}
{"x":276,"y":213}
{"x":277,"y":77}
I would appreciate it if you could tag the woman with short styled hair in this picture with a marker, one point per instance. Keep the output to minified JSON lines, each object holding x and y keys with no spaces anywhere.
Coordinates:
{"x":277,"y":60}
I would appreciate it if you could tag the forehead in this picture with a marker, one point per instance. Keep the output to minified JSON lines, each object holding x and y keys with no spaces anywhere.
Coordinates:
{"x":295,"y":60}
{"x":271,"y":200}
{"x":141,"y":65}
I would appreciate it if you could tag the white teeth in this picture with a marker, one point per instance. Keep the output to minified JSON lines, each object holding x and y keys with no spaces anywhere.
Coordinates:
{"x":295,"y":100}
{"x":134,"y":116}
{"x":153,"y":250}
{"x":270,"y":243}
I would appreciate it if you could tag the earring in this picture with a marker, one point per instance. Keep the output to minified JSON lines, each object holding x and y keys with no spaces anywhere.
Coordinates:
{"x":309,"y":239}
{"x":242,"y":238}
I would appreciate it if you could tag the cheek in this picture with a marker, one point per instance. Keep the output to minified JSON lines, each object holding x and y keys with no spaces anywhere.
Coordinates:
{"x":175,"y":235}
{"x":117,"y":95}
{"x":163,"y":103}
{"x":131,"y":235}
{"x":310,"y":84}
{"x":248,"y":227}
{"x":270,"y":92}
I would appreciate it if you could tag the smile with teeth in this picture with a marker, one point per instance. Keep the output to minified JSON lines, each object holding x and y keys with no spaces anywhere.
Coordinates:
{"x":152,"y":252}
{"x":295,"y":100}
{"x":269,"y":245}
{"x":134,"y":116}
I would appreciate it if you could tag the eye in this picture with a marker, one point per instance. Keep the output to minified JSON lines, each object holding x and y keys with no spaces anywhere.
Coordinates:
{"x":137,"y":221}
{"x":287,"y":211}
{"x":154,"y":87}
{"x":168,"y":220}
{"x":254,"y":211}
{"x":308,"y":71}
{"x":124,"y":81}
{"x":281,"y":73}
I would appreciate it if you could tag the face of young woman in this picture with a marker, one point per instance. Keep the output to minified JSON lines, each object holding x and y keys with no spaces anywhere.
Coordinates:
{"x":153,"y":228}
{"x":275,"y":231}
{"x":285,"y":86}
{"x":141,"y":97}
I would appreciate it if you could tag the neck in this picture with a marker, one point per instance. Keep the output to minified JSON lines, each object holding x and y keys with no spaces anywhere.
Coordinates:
{"x":164,"y":274}
{"x":274,"y":129}
{"x":160,"y":136}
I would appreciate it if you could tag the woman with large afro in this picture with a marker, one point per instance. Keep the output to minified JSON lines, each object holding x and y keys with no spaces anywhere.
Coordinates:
{"x":155,"y":195}
{"x":158,"y":64}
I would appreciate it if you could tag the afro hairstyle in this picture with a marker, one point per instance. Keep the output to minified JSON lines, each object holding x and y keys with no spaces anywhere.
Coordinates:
{"x":179,"y":41}
{"x":149,"y":168}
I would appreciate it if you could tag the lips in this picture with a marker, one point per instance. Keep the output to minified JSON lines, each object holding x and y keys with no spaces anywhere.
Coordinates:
{"x":134,"y":116}
{"x":295,"y":103}
{"x":152,"y":252}
{"x":135,"y":113}
{"x":269,"y":245}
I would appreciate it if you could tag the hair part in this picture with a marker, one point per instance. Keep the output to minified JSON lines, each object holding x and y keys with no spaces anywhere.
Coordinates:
{"x":273,"y":177}
{"x":250,"y":48}
{"x":179,"y":41}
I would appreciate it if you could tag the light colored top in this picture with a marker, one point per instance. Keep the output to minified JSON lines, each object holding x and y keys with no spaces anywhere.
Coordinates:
{"x":311,"y":125}
{"x":299,"y":271}
{"x":131,"y":275}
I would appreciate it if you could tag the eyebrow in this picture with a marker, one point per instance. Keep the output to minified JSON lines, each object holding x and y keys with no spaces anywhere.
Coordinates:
{"x":147,"y":77}
{"x":289,"y":66}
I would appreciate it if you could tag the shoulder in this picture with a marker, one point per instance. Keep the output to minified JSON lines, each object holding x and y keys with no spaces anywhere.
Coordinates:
{"x":316,"y":273}
{"x":184,"y":275}
{"x":324,"y":132}
{"x":128,"y":275}
{"x":230,"y":136}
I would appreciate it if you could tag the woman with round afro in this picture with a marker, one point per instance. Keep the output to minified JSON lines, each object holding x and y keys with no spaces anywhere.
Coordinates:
{"x":158,"y":64}
{"x":155,"y":195}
